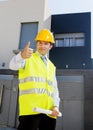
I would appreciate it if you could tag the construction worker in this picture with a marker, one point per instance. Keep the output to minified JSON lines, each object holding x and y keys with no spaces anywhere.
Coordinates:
{"x":37,"y":84}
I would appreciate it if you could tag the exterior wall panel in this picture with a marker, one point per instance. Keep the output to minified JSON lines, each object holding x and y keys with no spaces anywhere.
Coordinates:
{"x":74,"y":57}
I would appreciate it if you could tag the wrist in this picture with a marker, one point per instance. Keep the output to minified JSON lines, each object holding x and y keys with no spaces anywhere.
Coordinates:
{"x":56,"y":108}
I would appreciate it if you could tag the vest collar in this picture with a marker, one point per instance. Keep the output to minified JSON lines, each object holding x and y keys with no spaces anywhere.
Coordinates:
{"x":41,"y":55}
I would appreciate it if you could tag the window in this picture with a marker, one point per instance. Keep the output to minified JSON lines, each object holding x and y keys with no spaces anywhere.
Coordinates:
{"x":70,"y":40}
{"x":60,"y":42}
{"x":28,"y":33}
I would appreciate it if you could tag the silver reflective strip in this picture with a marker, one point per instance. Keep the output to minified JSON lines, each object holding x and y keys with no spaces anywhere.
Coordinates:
{"x":35,"y":91}
{"x":50,"y":82}
{"x":35,"y":79}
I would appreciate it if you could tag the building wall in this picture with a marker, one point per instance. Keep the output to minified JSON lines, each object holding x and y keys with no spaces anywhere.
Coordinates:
{"x":88,"y":98}
{"x":12,"y":14}
{"x":74,"y":57}
{"x":72,"y":6}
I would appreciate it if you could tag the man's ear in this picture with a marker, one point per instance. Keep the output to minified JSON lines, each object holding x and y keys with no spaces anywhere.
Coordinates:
{"x":51,"y":47}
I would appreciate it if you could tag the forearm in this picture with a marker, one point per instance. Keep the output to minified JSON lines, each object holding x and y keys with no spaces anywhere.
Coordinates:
{"x":17,"y":62}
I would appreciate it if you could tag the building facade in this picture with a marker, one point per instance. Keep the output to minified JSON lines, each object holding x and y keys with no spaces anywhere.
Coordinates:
{"x":73,"y":41}
{"x":20,"y":22}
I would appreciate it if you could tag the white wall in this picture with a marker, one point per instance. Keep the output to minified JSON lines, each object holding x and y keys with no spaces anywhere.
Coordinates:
{"x":12,"y":14}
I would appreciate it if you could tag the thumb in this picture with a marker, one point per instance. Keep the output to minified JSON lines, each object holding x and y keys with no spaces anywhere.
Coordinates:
{"x":27,"y":45}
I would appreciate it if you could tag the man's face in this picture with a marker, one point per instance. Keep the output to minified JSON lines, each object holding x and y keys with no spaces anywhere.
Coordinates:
{"x":43,"y":47}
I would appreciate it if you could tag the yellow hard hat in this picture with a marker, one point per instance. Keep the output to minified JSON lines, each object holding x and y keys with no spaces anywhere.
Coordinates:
{"x":45,"y":35}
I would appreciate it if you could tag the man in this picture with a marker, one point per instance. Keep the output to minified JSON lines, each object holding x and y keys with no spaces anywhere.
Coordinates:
{"x":37,"y":84}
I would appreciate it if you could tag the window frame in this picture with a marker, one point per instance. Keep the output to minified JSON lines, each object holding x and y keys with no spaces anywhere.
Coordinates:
{"x":70,"y":40}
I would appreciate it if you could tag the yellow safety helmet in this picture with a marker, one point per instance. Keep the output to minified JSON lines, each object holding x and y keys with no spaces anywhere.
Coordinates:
{"x":45,"y":35}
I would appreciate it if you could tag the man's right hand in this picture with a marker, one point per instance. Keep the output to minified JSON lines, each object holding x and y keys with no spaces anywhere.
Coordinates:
{"x":27,"y":51}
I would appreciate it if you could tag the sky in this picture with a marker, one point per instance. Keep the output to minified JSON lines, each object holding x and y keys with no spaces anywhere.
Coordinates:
{"x":66,"y":6}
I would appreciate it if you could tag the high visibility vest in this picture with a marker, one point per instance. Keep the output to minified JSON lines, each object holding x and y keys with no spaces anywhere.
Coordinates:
{"x":36,"y":85}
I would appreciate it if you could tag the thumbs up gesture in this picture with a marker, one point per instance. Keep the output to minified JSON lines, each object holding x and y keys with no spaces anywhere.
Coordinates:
{"x":27,"y":51}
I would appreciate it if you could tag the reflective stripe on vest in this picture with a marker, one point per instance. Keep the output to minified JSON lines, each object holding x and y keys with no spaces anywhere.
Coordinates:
{"x":35,"y":79}
{"x":35,"y":91}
